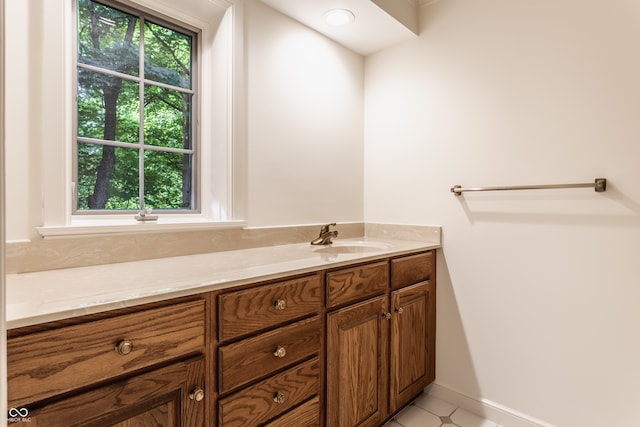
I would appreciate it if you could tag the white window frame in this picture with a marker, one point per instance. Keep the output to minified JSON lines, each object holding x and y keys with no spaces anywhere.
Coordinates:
{"x":222,"y":168}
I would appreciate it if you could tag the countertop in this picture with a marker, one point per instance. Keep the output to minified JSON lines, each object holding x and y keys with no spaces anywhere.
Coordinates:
{"x":44,"y":296}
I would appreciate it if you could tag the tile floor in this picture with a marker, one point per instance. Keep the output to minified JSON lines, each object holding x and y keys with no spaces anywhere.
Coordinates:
{"x":429,"y":411}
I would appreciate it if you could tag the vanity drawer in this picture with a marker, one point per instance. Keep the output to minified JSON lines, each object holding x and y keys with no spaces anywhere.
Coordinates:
{"x":252,"y":310}
{"x":272,"y":397}
{"x":357,"y":283}
{"x":252,"y":358}
{"x":48,"y":363}
{"x":411,"y":269}
{"x":305,"y":415}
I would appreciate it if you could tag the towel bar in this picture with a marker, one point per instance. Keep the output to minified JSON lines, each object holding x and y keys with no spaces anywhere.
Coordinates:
{"x":600,"y":185}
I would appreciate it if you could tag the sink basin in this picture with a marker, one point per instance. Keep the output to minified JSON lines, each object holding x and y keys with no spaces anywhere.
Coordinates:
{"x":351,"y":248}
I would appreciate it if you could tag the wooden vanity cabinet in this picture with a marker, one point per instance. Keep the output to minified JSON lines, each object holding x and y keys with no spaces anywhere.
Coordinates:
{"x":380,"y":351}
{"x":269,"y":355}
{"x":343,"y":347}
{"x":128,"y":367}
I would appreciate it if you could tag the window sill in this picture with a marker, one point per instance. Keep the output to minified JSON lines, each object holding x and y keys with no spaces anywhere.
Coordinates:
{"x":86,"y":228}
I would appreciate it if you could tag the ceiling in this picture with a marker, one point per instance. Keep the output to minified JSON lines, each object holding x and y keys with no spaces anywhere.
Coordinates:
{"x":378,"y":23}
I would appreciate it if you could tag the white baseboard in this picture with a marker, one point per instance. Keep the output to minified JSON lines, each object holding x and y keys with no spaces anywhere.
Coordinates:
{"x":493,"y":411}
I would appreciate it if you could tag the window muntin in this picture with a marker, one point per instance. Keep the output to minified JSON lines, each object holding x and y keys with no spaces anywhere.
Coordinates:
{"x":135,"y":140}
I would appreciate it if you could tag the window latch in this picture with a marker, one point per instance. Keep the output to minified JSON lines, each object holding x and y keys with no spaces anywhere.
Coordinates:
{"x":145,"y":215}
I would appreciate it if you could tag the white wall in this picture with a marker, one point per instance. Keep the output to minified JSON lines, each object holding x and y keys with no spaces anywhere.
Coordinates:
{"x":538,"y":291}
{"x":305,"y":136}
{"x":23,"y":98}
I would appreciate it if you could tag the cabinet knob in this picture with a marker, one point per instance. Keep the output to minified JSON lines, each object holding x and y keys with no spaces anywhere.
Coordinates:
{"x":279,"y":398}
{"x":124,"y":347}
{"x":399,"y":310}
{"x":387,"y":315}
{"x":280,"y":304}
{"x":197,"y":394}
{"x":280,"y":352}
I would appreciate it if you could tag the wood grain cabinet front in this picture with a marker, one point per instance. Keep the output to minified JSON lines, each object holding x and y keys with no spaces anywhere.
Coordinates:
{"x":412,"y":269}
{"x":305,"y":415}
{"x":57,"y":361}
{"x":252,"y":358}
{"x":169,"y":397}
{"x":412,"y":365}
{"x":251,"y":310}
{"x":380,"y":352}
{"x":270,"y":353}
{"x":357,"y":283}
{"x":272,"y":397}
{"x":357,"y":360}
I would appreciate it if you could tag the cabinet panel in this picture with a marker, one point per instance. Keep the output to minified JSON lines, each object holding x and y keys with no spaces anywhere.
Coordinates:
{"x":251,"y":310}
{"x":357,"y":283}
{"x":411,"y":269}
{"x":357,"y":364}
{"x":272,"y":397}
{"x":252,"y":358}
{"x":157,"y":398}
{"x":45,"y":364}
{"x":305,"y":415}
{"x":410,"y":352}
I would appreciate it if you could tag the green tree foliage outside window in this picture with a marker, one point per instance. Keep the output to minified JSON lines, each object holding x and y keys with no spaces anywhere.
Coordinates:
{"x":134,"y":145}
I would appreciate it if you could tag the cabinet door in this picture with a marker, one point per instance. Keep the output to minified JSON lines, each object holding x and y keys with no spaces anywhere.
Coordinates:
{"x":411,"y":333}
{"x":163,"y":397}
{"x":357,"y":364}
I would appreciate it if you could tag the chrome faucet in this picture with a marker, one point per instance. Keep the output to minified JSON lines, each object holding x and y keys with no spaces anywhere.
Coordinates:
{"x":325,"y":235}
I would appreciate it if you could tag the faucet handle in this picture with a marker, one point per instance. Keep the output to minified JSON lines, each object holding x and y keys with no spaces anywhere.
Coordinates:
{"x":325,"y":228}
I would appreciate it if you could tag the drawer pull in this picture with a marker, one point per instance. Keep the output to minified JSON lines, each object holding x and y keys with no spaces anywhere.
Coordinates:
{"x":280,"y":304}
{"x":124,"y":347}
{"x":399,"y":310}
{"x":279,"y":398}
{"x":387,"y":315}
{"x":197,"y":394}
{"x":280,"y":352}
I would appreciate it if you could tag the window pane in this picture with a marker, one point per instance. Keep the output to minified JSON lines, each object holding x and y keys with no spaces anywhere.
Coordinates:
{"x":108,"y":107}
{"x":167,"y":180}
{"x":107,"y":177}
{"x":108,"y":38}
{"x":132,"y":108}
{"x":167,"y":116}
{"x":167,"y":56}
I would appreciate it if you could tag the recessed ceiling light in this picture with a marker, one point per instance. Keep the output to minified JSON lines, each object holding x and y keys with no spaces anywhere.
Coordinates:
{"x":339,"y":17}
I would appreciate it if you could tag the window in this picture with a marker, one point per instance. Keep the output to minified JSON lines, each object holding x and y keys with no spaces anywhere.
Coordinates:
{"x":187,"y":163}
{"x":135,"y":145}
